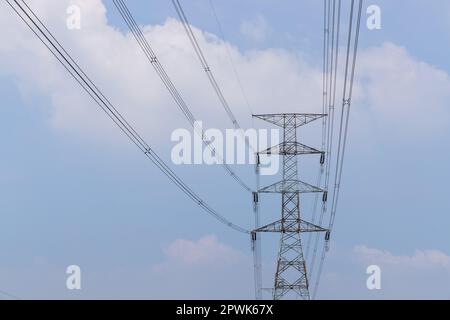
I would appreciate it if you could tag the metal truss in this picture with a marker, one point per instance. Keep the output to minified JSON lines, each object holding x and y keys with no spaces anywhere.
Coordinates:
{"x":290,"y":119}
{"x":291,"y":278}
{"x":291,"y":226}
{"x":289,"y":186}
{"x":290,"y":148}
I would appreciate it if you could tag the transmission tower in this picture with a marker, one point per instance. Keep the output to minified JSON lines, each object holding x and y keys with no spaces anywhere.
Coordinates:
{"x":291,"y":278}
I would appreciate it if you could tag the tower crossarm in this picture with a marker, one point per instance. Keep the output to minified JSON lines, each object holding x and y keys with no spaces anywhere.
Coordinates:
{"x":291,"y":226}
{"x":294,"y":120}
{"x":290,"y":186}
{"x":290,"y":148}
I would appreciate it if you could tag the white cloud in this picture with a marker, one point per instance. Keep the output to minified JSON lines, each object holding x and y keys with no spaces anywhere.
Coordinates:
{"x":394,"y":90}
{"x":206,"y":251}
{"x":213,"y":269}
{"x":256,"y":29}
{"x":421,"y":259}
{"x":424,"y":274}
{"x":116,"y":64}
{"x":402,"y":93}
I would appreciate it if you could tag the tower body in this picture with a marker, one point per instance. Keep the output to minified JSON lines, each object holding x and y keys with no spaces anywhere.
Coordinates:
{"x":291,"y":278}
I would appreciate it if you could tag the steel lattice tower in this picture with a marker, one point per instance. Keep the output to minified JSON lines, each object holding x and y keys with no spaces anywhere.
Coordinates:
{"x":291,"y":278}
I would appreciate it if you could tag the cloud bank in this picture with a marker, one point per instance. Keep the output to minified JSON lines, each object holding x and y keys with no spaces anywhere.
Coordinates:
{"x":394,"y":91}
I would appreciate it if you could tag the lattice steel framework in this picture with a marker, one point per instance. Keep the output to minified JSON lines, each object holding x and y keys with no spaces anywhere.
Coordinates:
{"x":291,"y":274}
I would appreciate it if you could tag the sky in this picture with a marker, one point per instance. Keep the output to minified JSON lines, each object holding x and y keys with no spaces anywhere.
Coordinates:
{"x":74,"y":191}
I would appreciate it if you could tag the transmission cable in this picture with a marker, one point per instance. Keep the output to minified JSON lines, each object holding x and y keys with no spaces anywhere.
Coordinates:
{"x":151,"y":56}
{"x":46,"y":37}
{"x":207,"y":68}
{"x":334,"y":58}
{"x":326,"y":53}
{"x":236,"y":74}
{"x":203,"y":61}
{"x":344,"y":123}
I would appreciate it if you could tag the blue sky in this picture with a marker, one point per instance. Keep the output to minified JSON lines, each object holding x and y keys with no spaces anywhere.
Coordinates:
{"x":74,"y":191}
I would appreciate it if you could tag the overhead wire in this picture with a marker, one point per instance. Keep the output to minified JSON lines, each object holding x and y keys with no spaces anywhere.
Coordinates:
{"x":208,"y":71}
{"x":334,"y":59}
{"x":326,"y":53}
{"x":256,"y":242}
{"x":152,"y":58}
{"x":343,"y":132}
{"x":344,"y":122}
{"x":46,"y":37}
{"x":201,"y":56}
{"x":230,"y":58}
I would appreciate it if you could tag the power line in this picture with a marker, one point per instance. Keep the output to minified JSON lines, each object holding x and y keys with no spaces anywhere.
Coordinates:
{"x":344,"y":121}
{"x":334,"y":58}
{"x":205,"y":65}
{"x":204,"y":62}
{"x":151,"y":56}
{"x":256,"y":239}
{"x":348,"y":52}
{"x":326,"y":53}
{"x":236,"y":74}
{"x":343,"y":132}
{"x":46,"y":37}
